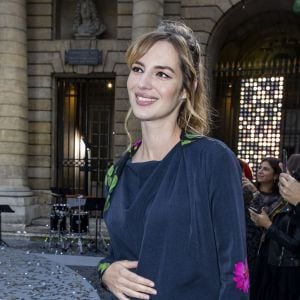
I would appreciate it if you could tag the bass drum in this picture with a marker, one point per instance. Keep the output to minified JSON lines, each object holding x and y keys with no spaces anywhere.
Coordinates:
{"x":82,"y":220}
{"x":57,"y":222}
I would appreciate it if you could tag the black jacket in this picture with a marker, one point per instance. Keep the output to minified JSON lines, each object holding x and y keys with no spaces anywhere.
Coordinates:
{"x":284,"y":237}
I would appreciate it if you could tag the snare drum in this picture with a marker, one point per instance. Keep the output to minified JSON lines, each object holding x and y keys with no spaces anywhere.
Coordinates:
{"x":83,"y":219}
{"x":60,"y":209}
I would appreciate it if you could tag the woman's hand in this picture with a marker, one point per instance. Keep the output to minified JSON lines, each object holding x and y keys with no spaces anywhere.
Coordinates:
{"x":124,"y":283}
{"x":289,"y":188}
{"x":261,"y":220}
{"x":246,"y":183}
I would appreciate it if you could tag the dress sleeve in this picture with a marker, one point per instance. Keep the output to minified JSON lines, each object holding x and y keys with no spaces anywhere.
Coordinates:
{"x":105,"y":262}
{"x":109,"y":259}
{"x":227,"y":211}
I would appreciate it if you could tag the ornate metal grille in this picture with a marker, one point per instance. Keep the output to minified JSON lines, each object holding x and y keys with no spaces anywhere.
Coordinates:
{"x":84,"y":133}
{"x":276,"y":105}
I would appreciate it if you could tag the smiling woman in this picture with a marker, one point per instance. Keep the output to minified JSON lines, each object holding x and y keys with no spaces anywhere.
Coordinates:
{"x":155,"y":85}
{"x":165,"y":209}
{"x":266,"y":190}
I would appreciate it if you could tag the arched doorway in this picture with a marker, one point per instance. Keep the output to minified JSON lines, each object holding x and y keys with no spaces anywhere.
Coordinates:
{"x":254,"y":55}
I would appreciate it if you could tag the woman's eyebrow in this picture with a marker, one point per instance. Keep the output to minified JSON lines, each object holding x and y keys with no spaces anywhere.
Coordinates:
{"x":165,"y":68}
{"x":157,"y":67}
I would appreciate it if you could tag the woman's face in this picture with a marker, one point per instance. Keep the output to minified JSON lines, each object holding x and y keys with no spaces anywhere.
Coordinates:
{"x":155,"y":84}
{"x":265,"y":173}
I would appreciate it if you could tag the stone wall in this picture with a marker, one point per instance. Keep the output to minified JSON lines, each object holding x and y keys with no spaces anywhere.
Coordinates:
{"x":45,"y":60}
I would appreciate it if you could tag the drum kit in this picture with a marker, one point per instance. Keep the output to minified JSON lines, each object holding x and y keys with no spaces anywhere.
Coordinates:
{"x":68,"y":220}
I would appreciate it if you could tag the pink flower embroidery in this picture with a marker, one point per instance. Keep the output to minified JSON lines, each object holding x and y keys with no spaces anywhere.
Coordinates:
{"x":137,"y":143}
{"x":241,"y":276}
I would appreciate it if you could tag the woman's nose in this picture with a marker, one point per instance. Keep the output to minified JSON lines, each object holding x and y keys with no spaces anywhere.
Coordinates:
{"x":145,"y":81}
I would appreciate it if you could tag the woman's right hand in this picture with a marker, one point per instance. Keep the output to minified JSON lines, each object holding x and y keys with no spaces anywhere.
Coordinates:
{"x":246,"y":183}
{"x":261,"y":220}
{"x":289,"y":188}
{"x":124,"y":283}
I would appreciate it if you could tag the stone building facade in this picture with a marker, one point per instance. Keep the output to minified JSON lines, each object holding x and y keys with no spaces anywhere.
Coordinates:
{"x":35,"y":36}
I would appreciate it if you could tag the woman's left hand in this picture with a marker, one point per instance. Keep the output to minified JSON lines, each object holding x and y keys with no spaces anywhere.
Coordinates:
{"x":261,"y":220}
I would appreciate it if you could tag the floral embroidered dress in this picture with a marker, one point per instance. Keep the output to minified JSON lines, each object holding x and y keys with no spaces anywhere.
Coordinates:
{"x":182,"y":218}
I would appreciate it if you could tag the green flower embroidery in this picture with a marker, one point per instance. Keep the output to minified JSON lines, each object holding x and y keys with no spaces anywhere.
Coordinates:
{"x":108,"y":176}
{"x":111,"y":180}
{"x":185,"y":142}
{"x":189,"y":138}
{"x":102,"y":267}
{"x":107,"y":203}
{"x":113,"y":183}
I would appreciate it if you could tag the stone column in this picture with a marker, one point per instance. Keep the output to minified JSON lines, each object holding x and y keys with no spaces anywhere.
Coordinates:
{"x":14,"y":189}
{"x":146,"y":16}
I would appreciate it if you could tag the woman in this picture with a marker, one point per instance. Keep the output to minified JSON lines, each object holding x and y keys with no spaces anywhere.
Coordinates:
{"x":171,"y":199}
{"x":263,"y":194}
{"x":277,"y":272}
{"x":266,"y":190}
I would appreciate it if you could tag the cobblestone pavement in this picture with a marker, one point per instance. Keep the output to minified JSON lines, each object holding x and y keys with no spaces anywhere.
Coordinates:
{"x":30,"y":269}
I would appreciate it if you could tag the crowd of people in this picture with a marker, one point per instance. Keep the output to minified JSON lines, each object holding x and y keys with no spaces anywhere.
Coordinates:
{"x":174,"y":201}
{"x":273,"y":229}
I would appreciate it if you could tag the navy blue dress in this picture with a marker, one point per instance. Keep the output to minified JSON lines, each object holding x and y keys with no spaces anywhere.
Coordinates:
{"x":183,"y":219}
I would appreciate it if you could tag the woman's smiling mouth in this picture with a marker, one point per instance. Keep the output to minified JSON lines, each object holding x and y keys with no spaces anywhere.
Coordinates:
{"x":144,"y":100}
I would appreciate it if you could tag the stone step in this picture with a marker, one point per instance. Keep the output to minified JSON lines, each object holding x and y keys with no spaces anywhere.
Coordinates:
{"x":37,"y":229}
{"x":40,"y":222}
{"x":40,"y":228}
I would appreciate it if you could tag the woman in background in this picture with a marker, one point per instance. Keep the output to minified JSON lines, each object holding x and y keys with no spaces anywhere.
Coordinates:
{"x":261,"y":194}
{"x":266,"y":190}
{"x":277,"y":272}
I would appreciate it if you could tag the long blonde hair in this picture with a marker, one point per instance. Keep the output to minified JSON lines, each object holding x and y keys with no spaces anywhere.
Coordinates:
{"x":194,"y":115}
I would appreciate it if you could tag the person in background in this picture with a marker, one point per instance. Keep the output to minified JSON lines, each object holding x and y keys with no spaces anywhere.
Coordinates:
{"x":263,"y":193}
{"x":247,"y":175}
{"x":277,"y":271}
{"x":289,"y":188}
{"x":266,"y":190}
{"x":253,"y":233}
{"x":174,"y":207}
{"x":289,"y":185}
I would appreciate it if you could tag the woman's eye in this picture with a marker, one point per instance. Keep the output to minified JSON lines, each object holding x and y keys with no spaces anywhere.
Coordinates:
{"x":136,"y":69}
{"x":163,"y":75}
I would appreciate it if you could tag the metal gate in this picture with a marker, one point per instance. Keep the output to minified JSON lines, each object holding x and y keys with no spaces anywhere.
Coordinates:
{"x":258,"y":108}
{"x":84,"y":134}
